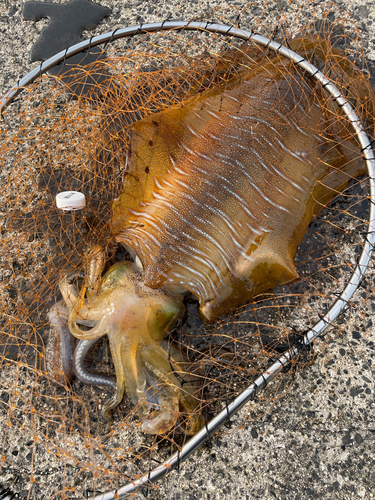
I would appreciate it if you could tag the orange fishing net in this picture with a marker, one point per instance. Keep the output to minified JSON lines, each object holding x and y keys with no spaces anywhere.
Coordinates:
{"x":59,"y":139}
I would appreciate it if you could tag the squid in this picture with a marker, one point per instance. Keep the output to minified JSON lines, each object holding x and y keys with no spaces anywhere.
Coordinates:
{"x":217,"y":195}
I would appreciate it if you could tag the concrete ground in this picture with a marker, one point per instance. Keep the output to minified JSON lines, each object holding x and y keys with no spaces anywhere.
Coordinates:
{"x":318,"y":441}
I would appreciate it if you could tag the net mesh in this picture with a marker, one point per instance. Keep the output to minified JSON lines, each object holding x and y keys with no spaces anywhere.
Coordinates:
{"x":60,"y":137}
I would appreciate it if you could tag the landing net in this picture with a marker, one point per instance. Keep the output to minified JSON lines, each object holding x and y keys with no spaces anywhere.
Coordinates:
{"x":72,"y":135}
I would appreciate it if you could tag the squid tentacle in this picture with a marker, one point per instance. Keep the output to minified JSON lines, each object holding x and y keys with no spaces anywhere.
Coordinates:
{"x":129,"y":376}
{"x":147,"y":368}
{"x":96,"y":332}
{"x":165,"y":415}
{"x":68,"y":290}
{"x":156,"y":360}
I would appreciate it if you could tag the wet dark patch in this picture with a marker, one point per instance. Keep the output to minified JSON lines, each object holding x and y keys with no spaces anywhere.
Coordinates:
{"x":66,"y":24}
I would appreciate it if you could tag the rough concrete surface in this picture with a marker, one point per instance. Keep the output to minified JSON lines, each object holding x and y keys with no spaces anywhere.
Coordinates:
{"x":318,"y":441}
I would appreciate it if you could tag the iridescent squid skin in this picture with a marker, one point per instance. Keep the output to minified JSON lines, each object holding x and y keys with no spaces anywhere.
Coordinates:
{"x":218,"y":193}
